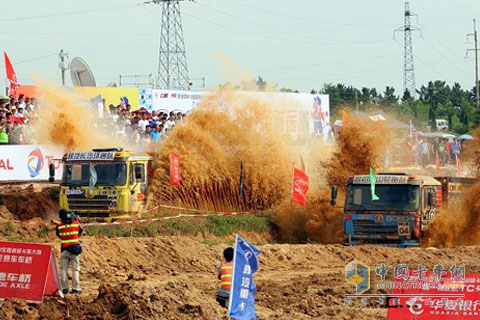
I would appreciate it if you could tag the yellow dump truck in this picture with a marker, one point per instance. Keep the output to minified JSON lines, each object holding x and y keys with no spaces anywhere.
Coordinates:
{"x":105,"y":182}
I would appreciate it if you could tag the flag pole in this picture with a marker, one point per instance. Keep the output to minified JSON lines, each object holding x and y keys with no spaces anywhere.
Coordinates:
{"x":291,"y":205}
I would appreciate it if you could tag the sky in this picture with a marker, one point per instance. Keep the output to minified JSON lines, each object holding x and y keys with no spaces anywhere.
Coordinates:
{"x":298,"y":44}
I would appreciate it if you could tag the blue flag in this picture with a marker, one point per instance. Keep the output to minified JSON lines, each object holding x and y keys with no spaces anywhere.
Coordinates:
{"x":242,"y":292}
{"x":240,"y":188}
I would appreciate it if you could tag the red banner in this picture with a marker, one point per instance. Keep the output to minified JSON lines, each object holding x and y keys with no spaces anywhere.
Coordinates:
{"x":430,"y":299}
{"x":28,"y":271}
{"x":11,"y":77}
{"x":300,"y":187}
{"x":175,"y":176}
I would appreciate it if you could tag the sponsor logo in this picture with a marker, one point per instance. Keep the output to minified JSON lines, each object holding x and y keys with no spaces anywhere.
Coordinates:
{"x":35,"y":162}
{"x":358,"y":274}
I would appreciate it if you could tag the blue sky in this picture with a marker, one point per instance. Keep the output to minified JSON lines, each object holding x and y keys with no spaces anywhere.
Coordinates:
{"x":297,"y":44}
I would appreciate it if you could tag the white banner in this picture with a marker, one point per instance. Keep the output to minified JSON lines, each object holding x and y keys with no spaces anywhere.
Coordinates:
{"x":295,"y":113}
{"x":29,"y":162}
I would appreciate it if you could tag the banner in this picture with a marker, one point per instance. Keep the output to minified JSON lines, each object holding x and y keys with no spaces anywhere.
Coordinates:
{"x":242,"y":291}
{"x":175,"y":173}
{"x":111,"y":95}
{"x":29,"y":162}
{"x":28,"y":271}
{"x":11,"y":77}
{"x":439,"y":296}
{"x":299,"y":187}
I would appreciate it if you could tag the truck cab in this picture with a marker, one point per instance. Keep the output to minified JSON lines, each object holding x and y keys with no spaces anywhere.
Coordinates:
{"x":105,"y":182}
{"x":406,"y":206}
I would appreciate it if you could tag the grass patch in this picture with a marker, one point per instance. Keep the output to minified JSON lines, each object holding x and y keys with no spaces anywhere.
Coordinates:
{"x":214,"y":225}
{"x":43,"y":232}
{"x":7,"y":229}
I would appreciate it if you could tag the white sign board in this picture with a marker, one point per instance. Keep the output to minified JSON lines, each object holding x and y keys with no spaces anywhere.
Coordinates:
{"x":295,"y":113}
{"x":29,"y":162}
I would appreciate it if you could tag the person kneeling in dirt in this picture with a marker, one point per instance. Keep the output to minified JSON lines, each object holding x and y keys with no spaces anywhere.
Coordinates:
{"x":68,"y":231}
{"x":225,"y":270}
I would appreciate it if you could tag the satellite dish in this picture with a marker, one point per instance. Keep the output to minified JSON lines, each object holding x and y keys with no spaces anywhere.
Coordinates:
{"x":81,"y":74}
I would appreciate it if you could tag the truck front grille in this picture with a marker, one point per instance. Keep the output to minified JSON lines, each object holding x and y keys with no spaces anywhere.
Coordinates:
{"x":80,"y":202}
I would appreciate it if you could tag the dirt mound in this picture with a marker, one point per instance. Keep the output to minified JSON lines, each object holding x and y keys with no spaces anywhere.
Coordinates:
{"x":28,"y":201}
{"x":174,"y":278}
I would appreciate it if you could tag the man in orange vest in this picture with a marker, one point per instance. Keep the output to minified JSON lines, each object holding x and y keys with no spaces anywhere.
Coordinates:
{"x":68,"y":231}
{"x":225,"y":270}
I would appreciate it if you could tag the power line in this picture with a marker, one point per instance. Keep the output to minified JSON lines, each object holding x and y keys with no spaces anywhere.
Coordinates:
{"x":67,"y":13}
{"x":31,"y":59}
{"x":270,"y":37}
{"x":282,"y":30}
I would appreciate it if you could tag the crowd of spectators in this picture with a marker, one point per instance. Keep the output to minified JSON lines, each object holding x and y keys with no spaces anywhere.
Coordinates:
{"x":138,"y":127}
{"x":438,"y":151}
{"x":14,"y":115}
{"x":142,"y":126}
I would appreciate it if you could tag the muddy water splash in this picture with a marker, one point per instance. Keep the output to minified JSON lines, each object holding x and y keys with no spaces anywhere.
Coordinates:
{"x":212,"y":144}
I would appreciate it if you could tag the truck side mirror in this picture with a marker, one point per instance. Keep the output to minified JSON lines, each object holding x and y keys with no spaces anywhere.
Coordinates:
{"x":333,"y":200}
{"x":51,"y":172}
{"x":431,"y":199}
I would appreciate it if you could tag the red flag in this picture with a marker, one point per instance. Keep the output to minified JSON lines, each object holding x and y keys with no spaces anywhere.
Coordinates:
{"x":300,"y":187}
{"x":459,"y":165}
{"x":175,"y":176}
{"x":437,"y":161}
{"x":11,"y":77}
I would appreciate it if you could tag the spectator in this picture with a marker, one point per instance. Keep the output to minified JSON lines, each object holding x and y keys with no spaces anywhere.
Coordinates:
{"x":143,"y":123}
{"x":423,"y":151}
{"x":19,"y":113}
{"x":15,"y":134}
{"x":3,"y":131}
{"x":171,"y":122}
{"x":155,"y":135}
{"x":448,"y":150}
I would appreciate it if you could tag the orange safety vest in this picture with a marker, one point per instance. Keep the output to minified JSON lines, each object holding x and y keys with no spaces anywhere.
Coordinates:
{"x":226,"y":269}
{"x":69,"y":233}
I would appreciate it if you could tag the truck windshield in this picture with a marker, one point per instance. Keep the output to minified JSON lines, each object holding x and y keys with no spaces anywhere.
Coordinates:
{"x":391,"y":198}
{"x":108,"y":174}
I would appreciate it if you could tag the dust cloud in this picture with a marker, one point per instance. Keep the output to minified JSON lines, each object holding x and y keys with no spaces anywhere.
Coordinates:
{"x":65,"y":120}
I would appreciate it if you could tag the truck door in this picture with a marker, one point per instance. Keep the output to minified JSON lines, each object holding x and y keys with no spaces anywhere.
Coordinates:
{"x":137,"y":186}
{"x":428,"y":211}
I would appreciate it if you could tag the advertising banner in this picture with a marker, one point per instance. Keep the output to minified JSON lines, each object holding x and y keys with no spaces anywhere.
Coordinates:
{"x":111,"y":95}
{"x":28,"y":271}
{"x":29,"y":162}
{"x":299,"y":187}
{"x":437,"y":295}
{"x":175,"y":175}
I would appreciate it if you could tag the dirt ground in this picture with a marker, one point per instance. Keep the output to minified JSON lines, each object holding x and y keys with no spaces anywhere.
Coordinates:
{"x":29,"y":200}
{"x":174,"y":278}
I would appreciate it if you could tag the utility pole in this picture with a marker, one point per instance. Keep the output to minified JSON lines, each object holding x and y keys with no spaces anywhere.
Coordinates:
{"x":474,"y":35}
{"x":408,"y":66}
{"x":172,"y":58}
{"x":63,"y":64}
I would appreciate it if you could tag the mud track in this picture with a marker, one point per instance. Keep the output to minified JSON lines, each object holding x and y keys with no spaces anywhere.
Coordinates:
{"x":174,"y":278}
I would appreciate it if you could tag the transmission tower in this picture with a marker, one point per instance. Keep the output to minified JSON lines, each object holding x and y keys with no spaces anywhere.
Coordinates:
{"x":408,"y":66}
{"x":172,"y":58}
